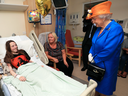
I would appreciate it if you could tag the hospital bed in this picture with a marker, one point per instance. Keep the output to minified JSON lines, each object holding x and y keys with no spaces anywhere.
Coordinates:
{"x":35,"y":50}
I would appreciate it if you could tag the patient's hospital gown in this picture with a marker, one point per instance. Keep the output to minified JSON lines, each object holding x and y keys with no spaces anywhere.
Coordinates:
{"x":106,"y":51}
{"x":42,"y":82}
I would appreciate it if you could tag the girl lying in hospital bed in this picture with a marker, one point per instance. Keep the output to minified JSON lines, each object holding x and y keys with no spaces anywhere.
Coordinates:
{"x":32,"y":79}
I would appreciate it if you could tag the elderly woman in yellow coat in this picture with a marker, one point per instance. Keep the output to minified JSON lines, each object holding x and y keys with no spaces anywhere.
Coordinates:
{"x":106,"y":45}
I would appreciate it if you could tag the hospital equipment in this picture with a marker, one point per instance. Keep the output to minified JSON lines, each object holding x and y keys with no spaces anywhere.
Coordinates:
{"x":124,"y":24}
{"x":59,"y":4}
{"x":36,"y":52}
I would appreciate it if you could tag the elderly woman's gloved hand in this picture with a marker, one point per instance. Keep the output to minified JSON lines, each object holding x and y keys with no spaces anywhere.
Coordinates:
{"x":90,"y":58}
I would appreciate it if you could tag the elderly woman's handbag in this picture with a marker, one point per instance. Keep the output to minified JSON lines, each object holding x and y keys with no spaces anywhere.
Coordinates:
{"x":95,"y":72}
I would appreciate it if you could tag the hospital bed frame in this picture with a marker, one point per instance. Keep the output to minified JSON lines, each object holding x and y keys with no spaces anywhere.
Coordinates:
{"x":38,"y":47}
{"x":89,"y":91}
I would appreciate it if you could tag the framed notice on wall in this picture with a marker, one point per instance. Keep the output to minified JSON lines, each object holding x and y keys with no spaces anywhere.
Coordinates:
{"x":47,"y":20}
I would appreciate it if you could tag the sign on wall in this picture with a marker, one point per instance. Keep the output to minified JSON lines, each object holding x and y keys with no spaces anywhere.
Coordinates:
{"x":47,"y":20}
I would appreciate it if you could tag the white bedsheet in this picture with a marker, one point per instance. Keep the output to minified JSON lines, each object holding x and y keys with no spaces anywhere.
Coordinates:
{"x":29,"y":48}
{"x":13,"y":91}
{"x":34,"y":58}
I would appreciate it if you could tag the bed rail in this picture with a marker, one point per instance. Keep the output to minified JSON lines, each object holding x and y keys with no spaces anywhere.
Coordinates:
{"x":38,"y":47}
{"x":90,"y":89}
{"x":5,"y":89}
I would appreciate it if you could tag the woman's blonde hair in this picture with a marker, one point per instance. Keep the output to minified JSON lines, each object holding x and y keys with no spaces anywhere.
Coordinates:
{"x":54,"y":35}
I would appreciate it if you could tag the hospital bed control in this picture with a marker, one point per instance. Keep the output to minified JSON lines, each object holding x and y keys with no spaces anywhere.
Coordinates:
{"x":1,"y":70}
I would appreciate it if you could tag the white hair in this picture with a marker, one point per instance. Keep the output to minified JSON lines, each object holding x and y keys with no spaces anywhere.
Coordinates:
{"x":106,"y":16}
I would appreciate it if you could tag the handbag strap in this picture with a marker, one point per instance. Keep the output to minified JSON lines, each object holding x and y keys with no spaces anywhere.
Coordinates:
{"x":103,"y":61}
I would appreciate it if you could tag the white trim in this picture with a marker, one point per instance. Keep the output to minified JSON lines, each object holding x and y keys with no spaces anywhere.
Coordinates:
{"x":94,"y":1}
{"x":13,"y":7}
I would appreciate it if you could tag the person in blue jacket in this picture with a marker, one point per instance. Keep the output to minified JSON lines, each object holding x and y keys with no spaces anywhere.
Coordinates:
{"x":106,"y":46}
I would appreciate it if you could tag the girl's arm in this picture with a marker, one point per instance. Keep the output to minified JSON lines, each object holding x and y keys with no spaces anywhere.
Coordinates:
{"x":21,"y":78}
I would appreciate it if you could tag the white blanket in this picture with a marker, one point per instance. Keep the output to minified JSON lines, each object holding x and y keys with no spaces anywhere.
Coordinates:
{"x":42,"y":82}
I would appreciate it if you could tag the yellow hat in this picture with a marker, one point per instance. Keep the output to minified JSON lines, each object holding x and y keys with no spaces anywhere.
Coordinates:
{"x":102,"y":8}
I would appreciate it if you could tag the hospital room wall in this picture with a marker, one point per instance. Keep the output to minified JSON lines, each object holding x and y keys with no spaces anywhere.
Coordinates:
{"x":16,"y":22}
{"x":39,"y":28}
{"x":119,"y":9}
{"x":11,"y":21}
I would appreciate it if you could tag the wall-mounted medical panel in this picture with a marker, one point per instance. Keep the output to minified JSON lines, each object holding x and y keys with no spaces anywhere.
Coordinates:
{"x":74,"y":18}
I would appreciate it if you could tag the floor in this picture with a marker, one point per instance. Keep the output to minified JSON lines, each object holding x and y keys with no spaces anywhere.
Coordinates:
{"x":122,"y":83}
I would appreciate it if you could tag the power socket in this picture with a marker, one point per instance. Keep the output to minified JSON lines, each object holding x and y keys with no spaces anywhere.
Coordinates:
{"x":24,"y":33}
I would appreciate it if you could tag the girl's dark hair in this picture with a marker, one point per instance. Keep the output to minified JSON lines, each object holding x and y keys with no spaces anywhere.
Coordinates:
{"x":9,"y":55}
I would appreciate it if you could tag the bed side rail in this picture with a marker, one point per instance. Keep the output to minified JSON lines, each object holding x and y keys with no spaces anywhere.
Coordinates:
{"x":38,"y":47}
{"x":5,"y":89}
{"x":90,"y":89}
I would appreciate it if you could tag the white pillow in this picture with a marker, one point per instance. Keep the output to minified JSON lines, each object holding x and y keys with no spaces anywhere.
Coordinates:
{"x":5,"y":39}
{"x":26,"y":45}
{"x":2,"y":51}
{"x":2,"y":44}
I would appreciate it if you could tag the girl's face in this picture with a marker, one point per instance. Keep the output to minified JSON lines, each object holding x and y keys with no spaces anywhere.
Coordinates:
{"x":51,"y":39}
{"x":13,"y":47}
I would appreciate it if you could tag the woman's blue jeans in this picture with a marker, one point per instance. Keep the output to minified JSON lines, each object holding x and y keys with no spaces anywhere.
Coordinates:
{"x":123,"y":61}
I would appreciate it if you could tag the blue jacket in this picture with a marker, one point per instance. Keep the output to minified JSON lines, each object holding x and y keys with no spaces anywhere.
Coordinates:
{"x":106,"y":50}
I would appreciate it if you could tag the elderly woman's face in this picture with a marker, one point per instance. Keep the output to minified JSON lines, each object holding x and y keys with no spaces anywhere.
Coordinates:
{"x":51,"y":39}
{"x":98,"y":21}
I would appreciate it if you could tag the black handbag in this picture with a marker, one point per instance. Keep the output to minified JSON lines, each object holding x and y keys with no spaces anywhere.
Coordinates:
{"x":95,"y":72}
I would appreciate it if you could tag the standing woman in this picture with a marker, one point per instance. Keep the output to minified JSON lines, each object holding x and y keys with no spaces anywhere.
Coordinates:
{"x":54,"y":50}
{"x":106,"y":45}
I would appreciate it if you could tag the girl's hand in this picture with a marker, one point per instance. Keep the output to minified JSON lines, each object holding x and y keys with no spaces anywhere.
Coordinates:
{"x":22,"y":78}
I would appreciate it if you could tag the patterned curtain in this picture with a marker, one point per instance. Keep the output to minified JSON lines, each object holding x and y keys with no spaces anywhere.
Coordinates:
{"x":61,"y":25}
